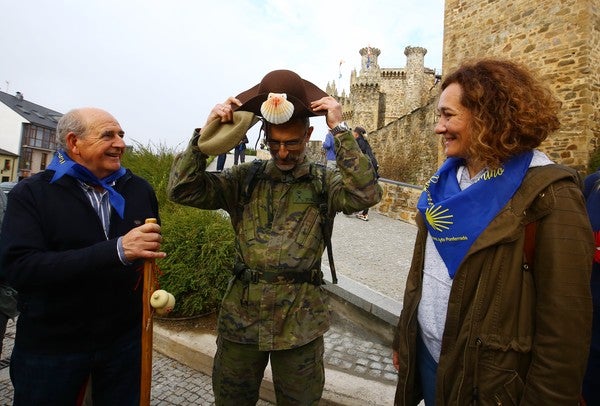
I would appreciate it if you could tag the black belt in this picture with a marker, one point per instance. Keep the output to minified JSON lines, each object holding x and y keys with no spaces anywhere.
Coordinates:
{"x":248,"y":275}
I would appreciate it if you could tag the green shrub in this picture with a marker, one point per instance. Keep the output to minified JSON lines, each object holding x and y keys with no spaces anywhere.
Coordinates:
{"x":200,"y":254}
{"x":199,"y":243}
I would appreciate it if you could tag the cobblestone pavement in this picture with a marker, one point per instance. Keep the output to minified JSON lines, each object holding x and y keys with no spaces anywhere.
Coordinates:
{"x":376,"y":253}
{"x":357,"y":352}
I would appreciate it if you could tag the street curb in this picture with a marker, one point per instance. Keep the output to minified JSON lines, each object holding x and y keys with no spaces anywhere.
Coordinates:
{"x":380,"y":306}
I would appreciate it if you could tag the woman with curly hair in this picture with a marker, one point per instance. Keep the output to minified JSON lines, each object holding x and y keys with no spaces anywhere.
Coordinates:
{"x":497,"y":306}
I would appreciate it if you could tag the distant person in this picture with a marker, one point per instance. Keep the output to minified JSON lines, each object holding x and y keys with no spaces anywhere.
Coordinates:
{"x":363,"y":144}
{"x":221,"y":159}
{"x":329,"y":147}
{"x":240,"y":151}
{"x":8,"y":296}
{"x":591,"y":381}
{"x":497,"y":307}
{"x":275,"y":308}
{"x":73,"y":244}
{"x":8,"y":308}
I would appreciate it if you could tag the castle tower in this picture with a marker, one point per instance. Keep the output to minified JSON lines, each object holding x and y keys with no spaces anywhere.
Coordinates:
{"x":368,"y":63}
{"x":365,"y":90}
{"x":331,"y":89}
{"x":558,"y":39}
{"x":415,"y":76}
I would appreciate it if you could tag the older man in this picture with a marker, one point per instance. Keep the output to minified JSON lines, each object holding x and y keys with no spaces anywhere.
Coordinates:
{"x":281,"y":209}
{"x":73,"y":243}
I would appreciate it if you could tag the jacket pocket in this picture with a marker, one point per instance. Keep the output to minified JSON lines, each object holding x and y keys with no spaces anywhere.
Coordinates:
{"x":307,"y":230}
{"x":499,"y":386}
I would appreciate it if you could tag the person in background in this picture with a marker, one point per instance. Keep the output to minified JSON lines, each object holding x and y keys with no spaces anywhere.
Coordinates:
{"x":221,"y":159}
{"x":8,"y":296}
{"x":240,"y":151}
{"x":591,"y":381}
{"x":363,"y":144}
{"x":275,"y":308}
{"x":73,"y":243}
{"x":329,"y":147}
{"x":498,"y":291}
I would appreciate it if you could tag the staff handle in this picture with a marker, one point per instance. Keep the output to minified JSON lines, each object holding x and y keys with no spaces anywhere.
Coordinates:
{"x":146,"y":367}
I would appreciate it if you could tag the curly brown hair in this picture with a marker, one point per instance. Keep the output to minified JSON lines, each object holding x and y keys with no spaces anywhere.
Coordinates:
{"x":512,"y":111}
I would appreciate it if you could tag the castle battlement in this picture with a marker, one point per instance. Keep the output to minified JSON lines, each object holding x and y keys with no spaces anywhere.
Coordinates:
{"x":378,"y":95}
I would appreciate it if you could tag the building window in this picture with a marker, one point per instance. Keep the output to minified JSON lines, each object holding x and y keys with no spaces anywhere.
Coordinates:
{"x":43,"y":161}
{"x":25,"y":161}
{"x":7,"y":164}
{"x":40,"y":137}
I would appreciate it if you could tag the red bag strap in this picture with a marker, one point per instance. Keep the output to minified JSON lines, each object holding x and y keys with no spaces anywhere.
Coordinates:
{"x":529,"y":246}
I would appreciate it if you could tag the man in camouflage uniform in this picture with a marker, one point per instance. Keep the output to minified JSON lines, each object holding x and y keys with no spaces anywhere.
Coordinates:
{"x":275,"y":306}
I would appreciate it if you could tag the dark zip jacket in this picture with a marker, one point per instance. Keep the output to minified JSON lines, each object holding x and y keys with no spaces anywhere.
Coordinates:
{"x":74,"y":292}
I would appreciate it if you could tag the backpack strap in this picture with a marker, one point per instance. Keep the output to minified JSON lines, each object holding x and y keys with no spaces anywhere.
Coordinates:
{"x":529,"y":246}
{"x":258,"y":167}
{"x":326,"y":223}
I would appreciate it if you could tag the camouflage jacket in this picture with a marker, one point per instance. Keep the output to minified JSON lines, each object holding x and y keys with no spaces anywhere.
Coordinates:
{"x":278,"y":229}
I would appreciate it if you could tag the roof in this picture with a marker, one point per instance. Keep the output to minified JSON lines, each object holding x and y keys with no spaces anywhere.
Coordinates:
{"x":32,"y":112}
{"x":7,"y":153}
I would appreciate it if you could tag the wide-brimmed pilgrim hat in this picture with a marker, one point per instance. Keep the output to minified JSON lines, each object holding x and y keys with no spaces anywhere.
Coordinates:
{"x":280,"y":96}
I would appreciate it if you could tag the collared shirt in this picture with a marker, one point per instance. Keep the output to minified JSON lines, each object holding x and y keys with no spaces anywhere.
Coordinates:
{"x":101,"y":204}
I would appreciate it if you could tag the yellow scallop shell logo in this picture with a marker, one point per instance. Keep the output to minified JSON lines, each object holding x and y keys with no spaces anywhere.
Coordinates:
{"x":438,"y":218}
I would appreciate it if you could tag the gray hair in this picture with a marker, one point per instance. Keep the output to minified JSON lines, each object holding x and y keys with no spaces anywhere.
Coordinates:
{"x":71,"y":122}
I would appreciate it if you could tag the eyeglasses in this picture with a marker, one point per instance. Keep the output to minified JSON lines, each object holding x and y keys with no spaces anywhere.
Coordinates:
{"x":292,"y":145}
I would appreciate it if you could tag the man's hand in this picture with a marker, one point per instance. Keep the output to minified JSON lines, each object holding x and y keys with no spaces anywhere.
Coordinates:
{"x":143,"y":242}
{"x":334,"y":110}
{"x":223,"y":111}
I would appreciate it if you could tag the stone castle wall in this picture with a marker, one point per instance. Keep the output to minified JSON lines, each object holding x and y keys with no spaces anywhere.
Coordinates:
{"x":558,"y":39}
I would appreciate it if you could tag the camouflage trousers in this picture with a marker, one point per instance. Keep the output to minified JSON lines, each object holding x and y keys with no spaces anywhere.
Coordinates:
{"x":238,"y":369}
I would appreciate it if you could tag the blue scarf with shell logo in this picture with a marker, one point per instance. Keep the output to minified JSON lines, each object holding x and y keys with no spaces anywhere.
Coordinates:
{"x":455,"y":217}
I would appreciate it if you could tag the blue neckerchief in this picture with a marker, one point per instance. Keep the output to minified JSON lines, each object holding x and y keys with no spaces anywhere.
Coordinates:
{"x":62,"y":165}
{"x":454,"y":217}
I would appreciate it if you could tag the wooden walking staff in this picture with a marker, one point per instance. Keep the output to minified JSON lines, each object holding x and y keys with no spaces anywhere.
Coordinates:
{"x":148,"y":289}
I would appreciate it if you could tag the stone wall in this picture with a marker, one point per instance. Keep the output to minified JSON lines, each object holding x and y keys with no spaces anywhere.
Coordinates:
{"x":407,"y":149}
{"x":557,"y":39}
{"x":399,"y":200}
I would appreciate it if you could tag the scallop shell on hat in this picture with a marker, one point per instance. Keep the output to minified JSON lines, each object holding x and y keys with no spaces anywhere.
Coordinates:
{"x":277,"y":109}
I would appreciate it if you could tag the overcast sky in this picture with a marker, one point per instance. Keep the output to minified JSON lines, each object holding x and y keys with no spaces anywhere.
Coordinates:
{"x":159,"y":66}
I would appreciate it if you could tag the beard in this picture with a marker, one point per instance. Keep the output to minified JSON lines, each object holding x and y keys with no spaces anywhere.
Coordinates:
{"x":290,"y":161}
